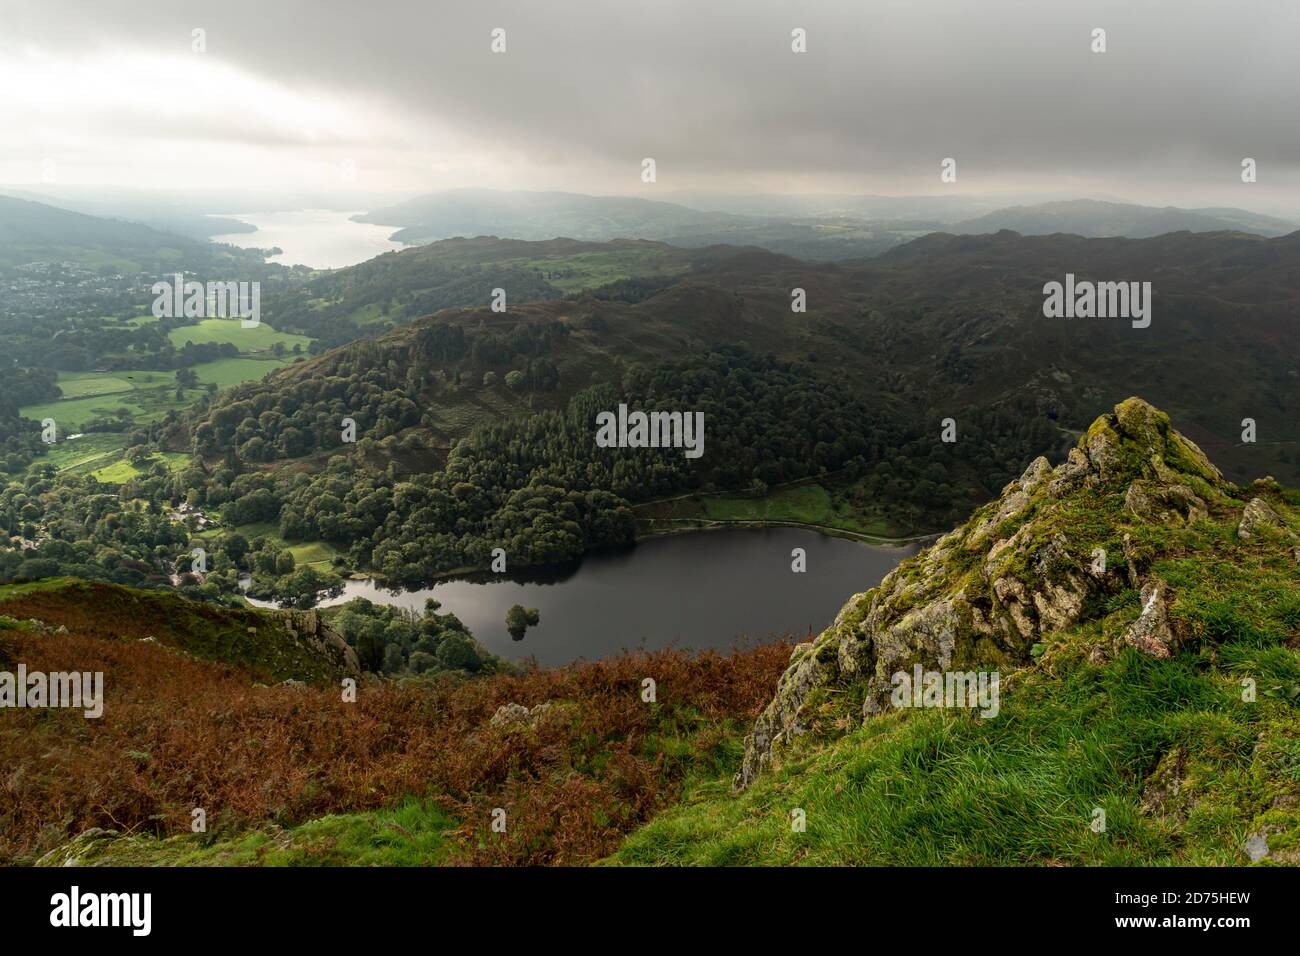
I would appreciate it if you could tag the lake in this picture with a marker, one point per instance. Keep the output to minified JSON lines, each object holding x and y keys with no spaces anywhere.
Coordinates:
{"x":319,"y":238}
{"x":701,"y":590}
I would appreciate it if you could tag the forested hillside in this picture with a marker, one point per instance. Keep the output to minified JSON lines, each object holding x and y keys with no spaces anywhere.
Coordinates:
{"x":419,"y":451}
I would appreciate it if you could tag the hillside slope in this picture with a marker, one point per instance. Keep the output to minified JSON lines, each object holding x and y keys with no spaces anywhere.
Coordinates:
{"x":34,"y":231}
{"x":271,"y":645}
{"x":1143,"y":615}
{"x":407,"y":771}
{"x":1148,"y":713}
{"x":941,"y":324}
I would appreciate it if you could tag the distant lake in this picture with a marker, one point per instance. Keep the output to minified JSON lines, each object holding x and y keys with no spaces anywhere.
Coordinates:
{"x":320,"y":238}
{"x":700,"y":590}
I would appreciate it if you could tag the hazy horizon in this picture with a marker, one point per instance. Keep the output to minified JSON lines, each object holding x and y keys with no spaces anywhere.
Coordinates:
{"x":411,"y":99}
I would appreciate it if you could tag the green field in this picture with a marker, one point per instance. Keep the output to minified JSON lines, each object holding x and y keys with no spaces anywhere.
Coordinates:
{"x":92,"y":384}
{"x":84,"y":452}
{"x":149,"y":396}
{"x":257,"y":339}
{"x":122,"y":470}
{"x":232,"y":371}
{"x":316,"y":553}
{"x":146,"y":395}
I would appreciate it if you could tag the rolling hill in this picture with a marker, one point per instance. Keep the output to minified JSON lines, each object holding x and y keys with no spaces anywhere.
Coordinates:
{"x":1095,"y":219}
{"x":35,"y":232}
{"x":937,"y":325}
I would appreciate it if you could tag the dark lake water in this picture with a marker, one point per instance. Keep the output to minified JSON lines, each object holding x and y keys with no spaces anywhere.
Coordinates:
{"x":704,"y":590}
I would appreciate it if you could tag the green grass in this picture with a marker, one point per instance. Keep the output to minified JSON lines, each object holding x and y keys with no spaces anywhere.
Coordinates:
{"x":84,"y":453}
{"x":416,"y":833}
{"x":935,"y":788}
{"x":262,"y":529}
{"x":92,"y":384}
{"x":232,"y":371}
{"x":117,"y":473}
{"x":11,"y":591}
{"x":122,"y":470}
{"x":72,"y":415}
{"x":312,"y":552}
{"x":930,"y":787}
{"x":257,"y":339}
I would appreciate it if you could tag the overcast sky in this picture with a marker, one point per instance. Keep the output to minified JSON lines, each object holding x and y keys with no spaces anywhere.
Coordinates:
{"x":410,"y":94}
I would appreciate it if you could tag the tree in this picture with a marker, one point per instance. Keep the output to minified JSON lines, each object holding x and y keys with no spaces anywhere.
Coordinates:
{"x":139,"y":454}
{"x":421,"y":661}
{"x":458,"y":653}
{"x":519,"y":619}
{"x":235,"y":545}
{"x":305,"y":586}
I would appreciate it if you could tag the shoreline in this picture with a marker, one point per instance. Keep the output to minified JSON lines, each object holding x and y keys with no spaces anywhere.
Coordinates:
{"x":697,"y":525}
{"x":689,"y":525}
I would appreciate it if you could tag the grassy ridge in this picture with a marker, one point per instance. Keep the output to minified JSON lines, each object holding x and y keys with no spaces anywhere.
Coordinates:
{"x":928,"y":788}
{"x":1184,"y":759}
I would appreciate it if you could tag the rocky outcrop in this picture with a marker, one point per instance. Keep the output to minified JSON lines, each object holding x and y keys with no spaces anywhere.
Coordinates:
{"x":1258,"y":514}
{"x":1024,"y":567}
{"x":514,"y":716}
{"x":1151,"y":633}
{"x":311,"y":630}
{"x":80,"y":850}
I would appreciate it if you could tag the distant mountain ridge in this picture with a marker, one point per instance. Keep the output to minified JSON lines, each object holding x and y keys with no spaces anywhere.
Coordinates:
{"x":812,"y":227}
{"x":538,"y":216}
{"x":35,"y":231}
{"x":1095,"y":219}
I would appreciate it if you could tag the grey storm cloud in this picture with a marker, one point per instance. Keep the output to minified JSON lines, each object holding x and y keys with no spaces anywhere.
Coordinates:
{"x":1011,"y":89}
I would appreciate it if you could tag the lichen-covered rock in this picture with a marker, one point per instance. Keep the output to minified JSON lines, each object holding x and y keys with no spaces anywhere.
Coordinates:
{"x":514,"y":716}
{"x":1165,"y":792}
{"x":81,"y":848}
{"x":1258,"y":514}
{"x":311,"y":628}
{"x":1151,"y":633}
{"x":1163,"y":502}
{"x":1020,"y":569}
{"x":509,"y":714}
